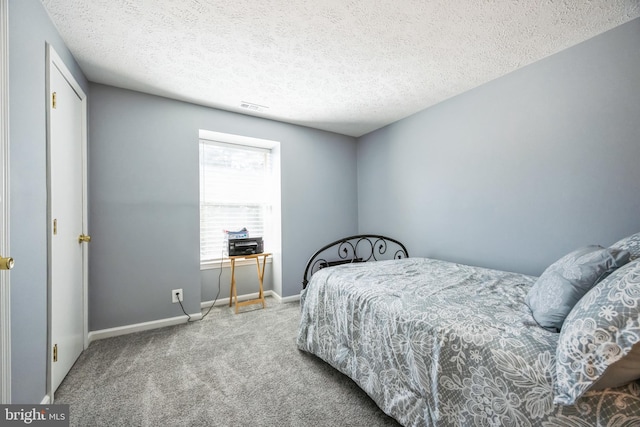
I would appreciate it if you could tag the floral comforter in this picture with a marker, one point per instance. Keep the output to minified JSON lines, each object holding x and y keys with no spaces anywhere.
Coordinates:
{"x":442,"y":344}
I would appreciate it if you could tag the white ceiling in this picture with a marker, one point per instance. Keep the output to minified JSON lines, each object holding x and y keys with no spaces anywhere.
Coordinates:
{"x":347,"y":66}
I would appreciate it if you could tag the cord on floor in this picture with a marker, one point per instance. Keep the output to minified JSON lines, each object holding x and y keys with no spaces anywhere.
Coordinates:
{"x":189,"y":320}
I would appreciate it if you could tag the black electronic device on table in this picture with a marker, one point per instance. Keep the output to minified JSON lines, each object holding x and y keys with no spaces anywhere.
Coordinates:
{"x":248,"y":246}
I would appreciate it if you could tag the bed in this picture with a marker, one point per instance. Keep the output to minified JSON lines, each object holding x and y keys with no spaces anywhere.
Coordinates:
{"x":436,"y":343}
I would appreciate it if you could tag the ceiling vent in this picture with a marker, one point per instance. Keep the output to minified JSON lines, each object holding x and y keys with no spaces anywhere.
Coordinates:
{"x":253,"y":107}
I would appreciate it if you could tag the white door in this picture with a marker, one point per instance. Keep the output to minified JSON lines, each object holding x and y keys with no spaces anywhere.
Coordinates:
{"x":66,"y":202}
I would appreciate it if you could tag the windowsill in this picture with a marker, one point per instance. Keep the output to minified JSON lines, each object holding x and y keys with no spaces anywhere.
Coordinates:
{"x":226,"y":263}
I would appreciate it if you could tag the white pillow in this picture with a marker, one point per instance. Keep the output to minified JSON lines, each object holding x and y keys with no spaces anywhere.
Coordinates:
{"x":630,"y":244}
{"x":601,"y":330}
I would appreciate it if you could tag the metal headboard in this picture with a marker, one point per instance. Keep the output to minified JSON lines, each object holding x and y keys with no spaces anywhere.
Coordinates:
{"x":359,"y":248}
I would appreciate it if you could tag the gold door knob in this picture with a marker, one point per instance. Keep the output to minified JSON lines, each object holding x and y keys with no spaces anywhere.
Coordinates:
{"x":6,"y":263}
{"x":84,"y":238}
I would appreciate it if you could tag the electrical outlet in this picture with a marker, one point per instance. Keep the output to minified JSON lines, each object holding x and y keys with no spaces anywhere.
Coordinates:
{"x":176,"y":295}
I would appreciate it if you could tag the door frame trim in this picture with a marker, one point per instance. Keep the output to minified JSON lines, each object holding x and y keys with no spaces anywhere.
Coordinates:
{"x":54,"y":60}
{"x":5,"y":288}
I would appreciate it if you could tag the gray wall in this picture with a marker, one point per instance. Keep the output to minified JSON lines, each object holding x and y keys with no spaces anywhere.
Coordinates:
{"x":519,"y":171}
{"x":29,"y":29}
{"x":143,"y":202}
{"x":246,"y":281}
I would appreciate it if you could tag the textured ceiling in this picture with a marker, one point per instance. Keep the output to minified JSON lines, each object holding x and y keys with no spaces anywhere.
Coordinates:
{"x":347,"y":66}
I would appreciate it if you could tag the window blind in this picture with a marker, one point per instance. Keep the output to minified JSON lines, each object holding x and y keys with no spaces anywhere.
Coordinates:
{"x":236,"y":191}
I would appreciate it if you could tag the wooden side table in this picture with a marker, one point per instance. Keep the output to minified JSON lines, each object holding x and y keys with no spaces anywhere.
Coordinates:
{"x":233,"y":294}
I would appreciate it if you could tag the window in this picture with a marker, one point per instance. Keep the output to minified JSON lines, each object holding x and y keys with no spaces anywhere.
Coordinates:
{"x":236,"y":190}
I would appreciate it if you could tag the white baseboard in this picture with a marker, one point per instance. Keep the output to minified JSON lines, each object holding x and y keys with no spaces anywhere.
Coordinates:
{"x":269,"y":293}
{"x":225,"y":301}
{"x":46,"y":400}
{"x":285,"y":300}
{"x":139,"y":327}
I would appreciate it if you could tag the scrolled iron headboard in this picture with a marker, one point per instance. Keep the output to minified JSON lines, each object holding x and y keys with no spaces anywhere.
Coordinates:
{"x":359,"y":248}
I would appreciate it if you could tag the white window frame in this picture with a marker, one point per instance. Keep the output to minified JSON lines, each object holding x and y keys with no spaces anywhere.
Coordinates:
{"x":247,"y":141}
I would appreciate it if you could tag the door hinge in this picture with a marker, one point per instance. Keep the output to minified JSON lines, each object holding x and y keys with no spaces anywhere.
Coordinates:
{"x":55,"y":353}
{"x":55,"y":227}
{"x":54,"y":95}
